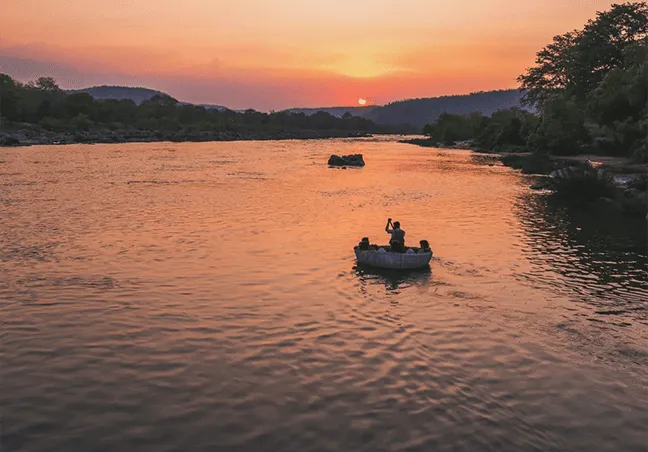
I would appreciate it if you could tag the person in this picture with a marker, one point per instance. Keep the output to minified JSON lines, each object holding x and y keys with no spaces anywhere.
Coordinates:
{"x":364,"y":243}
{"x":397,"y":241}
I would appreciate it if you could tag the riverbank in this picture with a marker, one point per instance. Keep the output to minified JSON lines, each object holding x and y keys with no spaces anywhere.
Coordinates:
{"x":608,"y":183}
{"x":35,"y":135}
{"x":428,"y":143}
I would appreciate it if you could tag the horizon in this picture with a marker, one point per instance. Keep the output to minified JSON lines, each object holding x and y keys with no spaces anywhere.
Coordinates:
{"x":297,"y":108}
{"x":288,"y":55}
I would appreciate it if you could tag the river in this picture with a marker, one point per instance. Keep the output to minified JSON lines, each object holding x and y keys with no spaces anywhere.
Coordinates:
{"x":205,"y":297}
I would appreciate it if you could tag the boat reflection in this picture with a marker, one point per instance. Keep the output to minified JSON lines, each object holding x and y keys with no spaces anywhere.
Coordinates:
{"x":393,"y":280}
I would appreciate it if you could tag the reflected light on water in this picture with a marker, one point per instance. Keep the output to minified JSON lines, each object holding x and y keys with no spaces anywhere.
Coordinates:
{"x":205,"y":296}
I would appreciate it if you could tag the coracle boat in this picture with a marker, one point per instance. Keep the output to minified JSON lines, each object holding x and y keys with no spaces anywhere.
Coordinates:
{"x":382,"y":257}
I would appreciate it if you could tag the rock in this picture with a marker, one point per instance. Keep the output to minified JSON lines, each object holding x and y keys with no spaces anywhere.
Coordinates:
{"x":346,"y":160}
{"x":634,"y":202}
{"x":335,"y":160}
{"x":632,"y":193}
{"x":638,"y":182}
{"x":607,"y":204}
{"x":9,"y":140}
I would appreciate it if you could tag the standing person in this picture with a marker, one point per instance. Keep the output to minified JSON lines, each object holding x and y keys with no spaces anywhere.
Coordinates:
{"x":397,"y":241}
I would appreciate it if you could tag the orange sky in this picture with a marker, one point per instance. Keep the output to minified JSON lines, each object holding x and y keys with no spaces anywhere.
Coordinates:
{"x":272,"y":54}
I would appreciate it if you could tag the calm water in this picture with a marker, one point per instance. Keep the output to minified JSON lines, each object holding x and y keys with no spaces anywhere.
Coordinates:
{"x":204,"y":297}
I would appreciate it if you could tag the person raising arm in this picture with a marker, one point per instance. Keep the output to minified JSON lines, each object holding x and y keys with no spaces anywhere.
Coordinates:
{"x":397,"y":241}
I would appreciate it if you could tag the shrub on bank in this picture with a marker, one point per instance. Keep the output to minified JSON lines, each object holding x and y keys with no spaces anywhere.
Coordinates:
{"x":531,"y":163}
{"x":583,"y":182}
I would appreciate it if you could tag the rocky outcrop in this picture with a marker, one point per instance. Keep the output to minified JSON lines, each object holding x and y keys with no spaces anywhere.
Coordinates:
{"x":346,"y":160}
{"x":9,"y":140}
{"x":588,"y":185}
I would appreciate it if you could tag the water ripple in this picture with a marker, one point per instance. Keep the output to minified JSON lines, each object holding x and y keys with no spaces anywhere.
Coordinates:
{"x":204,"y":296}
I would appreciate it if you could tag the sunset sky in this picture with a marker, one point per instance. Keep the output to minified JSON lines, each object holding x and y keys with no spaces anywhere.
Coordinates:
{"x":273,"y":54}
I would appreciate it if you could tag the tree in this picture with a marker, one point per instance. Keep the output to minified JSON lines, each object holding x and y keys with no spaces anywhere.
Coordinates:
{"x":603,"y":43}
{"x":81,"y":122}
{"x":45,"y":84}
{"x":10,"y":107}
{"x":591,"y":84}
{"x":623,"y":92}
{"x":562,"y":127}
{"x":553,"y":71}
{"x":79,"y":103}
{"x":577,"y":61}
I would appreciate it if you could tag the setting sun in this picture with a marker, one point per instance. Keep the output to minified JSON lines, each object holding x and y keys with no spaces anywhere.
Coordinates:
{"x":362,"y":101}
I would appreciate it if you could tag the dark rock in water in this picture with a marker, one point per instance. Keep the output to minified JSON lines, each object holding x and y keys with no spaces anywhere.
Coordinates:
{"x":335,"y":160}
{"x":638,"y":182}
{"x":607,"y":203}
{"x":8,"y":140}
{"x":346,"y":160}
{"x":634,"y":202}
{"x":582,"y":182}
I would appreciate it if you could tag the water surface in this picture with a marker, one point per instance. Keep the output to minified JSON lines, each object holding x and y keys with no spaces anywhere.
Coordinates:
{"x":204,"y":296}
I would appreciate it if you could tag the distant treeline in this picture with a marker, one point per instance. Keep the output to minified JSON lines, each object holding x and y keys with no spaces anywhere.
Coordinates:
{"x":420,"y":112}
{"x":590,"y":89}
{"x":43,"y":103}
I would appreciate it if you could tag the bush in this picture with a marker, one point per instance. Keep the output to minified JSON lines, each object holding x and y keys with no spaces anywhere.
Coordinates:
{"x":532,"y":163}
{"x":54,"y":124}
{"x":81,"y":122}
{"x":583,"y":182}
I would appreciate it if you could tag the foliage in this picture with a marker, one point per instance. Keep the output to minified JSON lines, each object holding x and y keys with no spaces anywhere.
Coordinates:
{"x":530,"y":163}
{"x":503,"y":130}
{"x":43,"y":102}
{"x":561,"y":128}
{"x":583,"y":183}
{"x":591,"y":86}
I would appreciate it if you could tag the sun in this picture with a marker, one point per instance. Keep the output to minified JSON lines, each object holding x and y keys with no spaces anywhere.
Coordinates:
{"x":362,"y":101}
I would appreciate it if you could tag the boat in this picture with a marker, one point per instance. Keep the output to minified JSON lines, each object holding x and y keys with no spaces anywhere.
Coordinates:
{"x":381,"y":257}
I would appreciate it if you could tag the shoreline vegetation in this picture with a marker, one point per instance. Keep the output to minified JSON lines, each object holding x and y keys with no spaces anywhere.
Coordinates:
{"x":611,"y":183}
{"x":29,"y":135}
{"x":586,"y":138}
{"x":40,"y":112}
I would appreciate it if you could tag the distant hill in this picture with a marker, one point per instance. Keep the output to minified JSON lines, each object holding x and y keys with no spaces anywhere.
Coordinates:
{"x":137,"y":95}
{"x":335,"y":111}
{"x":415,"y":112}
{"x":418,"y":112}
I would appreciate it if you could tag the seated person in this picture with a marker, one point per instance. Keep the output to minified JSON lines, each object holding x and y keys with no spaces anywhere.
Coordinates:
{"x":425,"y":246}
{"x":364,"y":243}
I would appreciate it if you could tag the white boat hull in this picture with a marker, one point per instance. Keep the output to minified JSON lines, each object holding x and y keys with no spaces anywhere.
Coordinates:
{"x":388,"y":259}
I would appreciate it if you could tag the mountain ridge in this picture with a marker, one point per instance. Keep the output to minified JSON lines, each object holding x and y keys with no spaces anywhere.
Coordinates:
{"x":135,"y":93}
{"x":415,"y":112}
